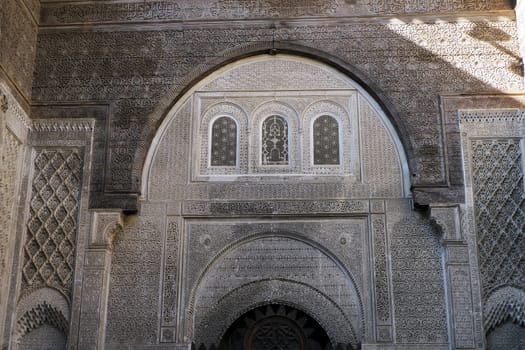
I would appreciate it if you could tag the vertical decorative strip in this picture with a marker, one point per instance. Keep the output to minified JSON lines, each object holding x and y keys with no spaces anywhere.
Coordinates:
{"x":170,"y":283}
{"x":382,"y":288}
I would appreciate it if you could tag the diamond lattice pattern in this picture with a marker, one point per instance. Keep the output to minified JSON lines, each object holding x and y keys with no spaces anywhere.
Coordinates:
{"x":500,"y":212}
{"x":51,"y":230}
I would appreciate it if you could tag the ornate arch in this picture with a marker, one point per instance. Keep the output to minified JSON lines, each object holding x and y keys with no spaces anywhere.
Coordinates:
{"x":178,"y":96}
{"x":320,"y":307}
{"x":204,"y":328}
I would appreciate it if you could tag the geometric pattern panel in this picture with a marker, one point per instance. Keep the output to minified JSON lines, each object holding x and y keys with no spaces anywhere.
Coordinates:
{"x":49,"y":251}
{"x":224,"y":142}
{"x":499,"y":202}
{"x":326,"y":140}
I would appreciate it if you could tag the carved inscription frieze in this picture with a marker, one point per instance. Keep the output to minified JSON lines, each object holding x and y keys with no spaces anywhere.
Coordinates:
{"x":275,"y":208}
{"x":418,"y":6}
{"x":235,"y":9}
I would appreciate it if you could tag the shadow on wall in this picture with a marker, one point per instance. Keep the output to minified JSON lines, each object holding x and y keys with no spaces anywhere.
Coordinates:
{"x":496,"y":37}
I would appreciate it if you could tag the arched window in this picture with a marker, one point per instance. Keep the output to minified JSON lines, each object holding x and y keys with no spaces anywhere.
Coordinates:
{"x":274,"y":141}
{"x":326,"y":141}
{"x":224,"y":142}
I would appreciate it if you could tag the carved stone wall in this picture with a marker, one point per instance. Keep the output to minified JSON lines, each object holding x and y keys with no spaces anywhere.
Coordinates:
{"x":18,"y":37}
{"x":417,"y":278}
{"x":372,"y":158}
{"x":520,"y":15}
{"x":50,"y":248}
{"x":339,"y":242}
{"x":238,"y":9}
{"x":52,"y":241}
{"x":135,"y":279}
{"x":399,"y":59}
{"x":223,"y":281}
{"x":492,"y":144}
{"x":13,"y":136}
{"x":10,"y":155}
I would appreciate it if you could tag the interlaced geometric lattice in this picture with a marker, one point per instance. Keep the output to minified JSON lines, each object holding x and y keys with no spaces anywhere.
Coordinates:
{"x":275,"y":141}
{"x":49,"y":252}
{"x":224,"y":142}
{"x":326,"y":141}
{"x":500,"y":212}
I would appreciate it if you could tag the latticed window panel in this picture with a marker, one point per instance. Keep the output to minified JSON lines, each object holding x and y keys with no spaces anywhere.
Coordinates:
{"x":224,"y":142}
{"x":49,"y":251}
{"x":326,"y":141}
{"x":275,"y":141}
{"x":499,"y":201}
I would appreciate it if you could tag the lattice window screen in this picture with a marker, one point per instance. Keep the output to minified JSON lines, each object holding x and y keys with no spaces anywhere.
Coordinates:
{"x":275,"y":141}
{"x":224,"y":142}
{"x":326,"y":141}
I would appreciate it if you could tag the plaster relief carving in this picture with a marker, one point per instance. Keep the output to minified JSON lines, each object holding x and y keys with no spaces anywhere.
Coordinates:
{"x":500,"y":211}
{"x":49,"y":251}
{"x":250,"y":105}
{"x":417,"y":280}
{"x":494,"y":166}
{"x":280,"y":260}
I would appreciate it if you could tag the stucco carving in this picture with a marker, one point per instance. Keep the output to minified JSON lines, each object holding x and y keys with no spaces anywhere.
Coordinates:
{"x":339,"y":328}
{"x":381,"y":271}
{"x":235,"y":9}
{"x":172,"y":153}
{"x":280,"y":259}
{"x":499,"y":202}
{"x":18,"y":56}
{"x":494,"y":178}
{"x":417,"y":280}
{"x":135,"y":280}
{"x":49,"y":251}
